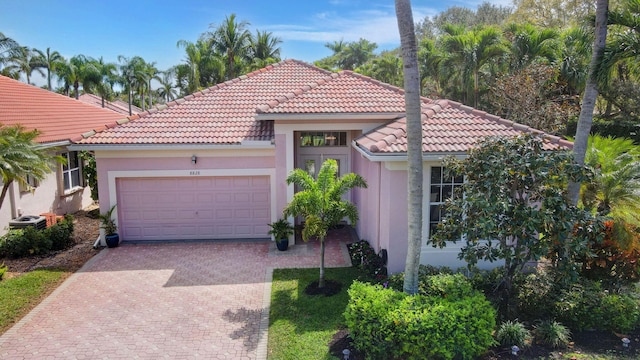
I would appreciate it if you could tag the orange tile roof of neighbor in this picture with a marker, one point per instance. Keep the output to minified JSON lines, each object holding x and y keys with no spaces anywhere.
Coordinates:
{"x":227,"y":113}
{"x":57,"y":117}
{"x":117,"y":105}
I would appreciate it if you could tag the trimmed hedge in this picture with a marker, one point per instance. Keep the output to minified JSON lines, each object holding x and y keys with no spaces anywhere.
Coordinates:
{"x":19,"y":243}
{"x":387,"y":324}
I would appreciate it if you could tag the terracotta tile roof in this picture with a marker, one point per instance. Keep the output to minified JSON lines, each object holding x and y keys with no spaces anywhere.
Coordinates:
{"x":344,"y":92}
{"x":222,"y":114}
{"x":57,"y":117}
{"x":118,"y":105}
{"x":448,"y":126}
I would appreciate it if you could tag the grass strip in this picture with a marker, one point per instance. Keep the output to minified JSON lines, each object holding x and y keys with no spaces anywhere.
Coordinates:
{"x":21,"y":294}
{"x":301,"y":326}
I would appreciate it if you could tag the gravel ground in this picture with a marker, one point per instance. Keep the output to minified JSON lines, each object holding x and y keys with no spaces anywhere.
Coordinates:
{"x":85,"y":233}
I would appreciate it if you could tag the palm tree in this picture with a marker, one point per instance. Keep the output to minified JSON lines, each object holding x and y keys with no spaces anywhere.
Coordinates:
{"x":152,"y":74}
{"x":430,"y":59}
{"x":414,"y":142}
{"x":192,"y":59}
{"x":356,"y":53}
{"x":615,"y":189}
{"x":231,"y":38}
{"x":167,"y":91}
{"x":575,"y":58}
{"x":130,"y":69}
{"x":21,"y":156}
{"x":23,"y":60}
{"x":624,"y":46}
{"x":585,"y":119}
{"x":471,"y":51}
{"x":529,"y":43}
{"x":320,"y":202}
{"x":263,"y":49}
{"x":50,"y":60}
{"x":108,"y":78}
{"x":8,"y":47}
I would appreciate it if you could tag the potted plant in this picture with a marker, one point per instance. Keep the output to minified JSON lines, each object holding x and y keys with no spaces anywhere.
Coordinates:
{"x":281,"y":230}
{"x":110,"y":228}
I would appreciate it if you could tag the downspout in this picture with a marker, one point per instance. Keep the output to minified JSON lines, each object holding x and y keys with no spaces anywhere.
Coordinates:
{"x":378,"y":204}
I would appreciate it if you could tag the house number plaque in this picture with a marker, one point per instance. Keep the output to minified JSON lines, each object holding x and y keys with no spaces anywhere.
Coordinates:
{"x":194,"y":172}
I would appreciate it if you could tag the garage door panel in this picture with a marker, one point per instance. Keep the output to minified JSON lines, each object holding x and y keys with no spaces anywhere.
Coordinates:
{"x":194,"y":208}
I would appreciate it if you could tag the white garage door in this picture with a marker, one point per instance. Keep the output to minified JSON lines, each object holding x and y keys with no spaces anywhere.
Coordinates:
{"x":186,"y":208}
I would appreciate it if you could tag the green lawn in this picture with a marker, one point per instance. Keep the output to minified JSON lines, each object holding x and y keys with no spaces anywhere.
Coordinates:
{"x":301,"y":326}
{"x":21,"y":294}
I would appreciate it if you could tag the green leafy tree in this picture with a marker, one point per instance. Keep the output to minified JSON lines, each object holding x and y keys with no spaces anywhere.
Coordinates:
{"x":21,"y":157}
{"x":264,"y":49}
{"x":320,"y":202}
{"x":386,"y":68}
{"x":514,"y":207}
{"x":167,"y":91}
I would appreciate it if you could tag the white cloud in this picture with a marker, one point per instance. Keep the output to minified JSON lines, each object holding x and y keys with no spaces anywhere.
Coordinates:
{"x":376,"y":25}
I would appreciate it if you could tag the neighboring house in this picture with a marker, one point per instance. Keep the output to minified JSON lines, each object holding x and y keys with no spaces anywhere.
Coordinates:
{"x":213,"y":164}
{"x":118,"y":105}
{"x":59,"y":119}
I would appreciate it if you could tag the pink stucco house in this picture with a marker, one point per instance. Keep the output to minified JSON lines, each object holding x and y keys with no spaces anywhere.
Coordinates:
{"x":213,"y":164}
{"x":60,"y":120}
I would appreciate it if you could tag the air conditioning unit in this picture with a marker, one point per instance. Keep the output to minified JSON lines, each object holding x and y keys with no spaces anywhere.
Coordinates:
{"x":38,"y":222}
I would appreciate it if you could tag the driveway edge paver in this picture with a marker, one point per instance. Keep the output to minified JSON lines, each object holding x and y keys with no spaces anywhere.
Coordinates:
{"x":263,"y":339}
{"x":36,"y":310}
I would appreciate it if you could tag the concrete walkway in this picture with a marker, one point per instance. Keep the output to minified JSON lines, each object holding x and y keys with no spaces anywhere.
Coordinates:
{"x":172,"y":301}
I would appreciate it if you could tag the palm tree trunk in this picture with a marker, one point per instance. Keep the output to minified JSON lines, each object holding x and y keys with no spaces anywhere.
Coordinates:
{"x":129,"y":96}
{"x":590,"y":94}
{"x":3,"y":194}
{"x":321,"y":279}
{"x":414,"y":142}
{"x":49,"y":78}
{"x":150,"y":98}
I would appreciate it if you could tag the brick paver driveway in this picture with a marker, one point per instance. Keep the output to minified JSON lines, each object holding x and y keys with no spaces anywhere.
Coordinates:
{"x":174,"y":301}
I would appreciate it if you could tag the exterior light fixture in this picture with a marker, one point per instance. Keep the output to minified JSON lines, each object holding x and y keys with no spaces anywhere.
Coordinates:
{"x":194,"y":159}
{"x":514,"y":350}
{"x":625,"y":342}
{"x":346,"y":354}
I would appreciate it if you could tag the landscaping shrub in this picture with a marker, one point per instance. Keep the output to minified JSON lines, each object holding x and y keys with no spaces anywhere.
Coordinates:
{"x":24,"y":242}
{"x":396,"y":281}
{"x":586,"y":306}
{"x":3,"y":270}
{"x":364,"y":257}
{"x":552,"y":333}
{"x":513,"y":333}
{"x":387,"y":324}
{"x":537,"y":296}
{"x":61,"y":234}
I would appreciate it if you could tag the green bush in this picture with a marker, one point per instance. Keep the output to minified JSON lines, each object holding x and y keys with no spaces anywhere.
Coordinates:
{"x":24,"y":242}
{"x":513,"y":333}
{"x":387,"y":324}
{"x":586,"y":306}
{"x":61,"y":234}
{"x":552,"y":333}
{"x":537,"y":297}
{"x":3,"y":270}
{"x":620,"y":312}
{"x":427,"y":286}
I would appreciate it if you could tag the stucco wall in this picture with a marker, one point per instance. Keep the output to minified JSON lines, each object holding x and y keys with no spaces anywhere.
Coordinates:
{"x":46,"y":198}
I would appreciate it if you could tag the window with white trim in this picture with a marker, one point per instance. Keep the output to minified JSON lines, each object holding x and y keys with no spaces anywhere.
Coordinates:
{"x":71,"y":174}
{"x":323,"y":138}
{"x":443,"y":187}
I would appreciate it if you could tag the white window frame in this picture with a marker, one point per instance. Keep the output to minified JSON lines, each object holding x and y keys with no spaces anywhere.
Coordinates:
{"x":67,"y":173}
{"x":441,"y":197}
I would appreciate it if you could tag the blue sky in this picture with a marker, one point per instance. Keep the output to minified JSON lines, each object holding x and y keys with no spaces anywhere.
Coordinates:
{"x":151,"y":29}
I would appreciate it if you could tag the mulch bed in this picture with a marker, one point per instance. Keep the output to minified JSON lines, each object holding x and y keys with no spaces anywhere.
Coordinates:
{"x":331,"y":287}
{"x":85,"y":232}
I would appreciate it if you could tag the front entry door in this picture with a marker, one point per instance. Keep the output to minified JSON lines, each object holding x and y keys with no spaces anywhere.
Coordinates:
{"x":312,"y":163}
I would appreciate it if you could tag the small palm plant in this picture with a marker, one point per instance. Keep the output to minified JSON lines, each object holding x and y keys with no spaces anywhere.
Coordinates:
{"x":320,"y":202}
{"x":108,"y":224}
